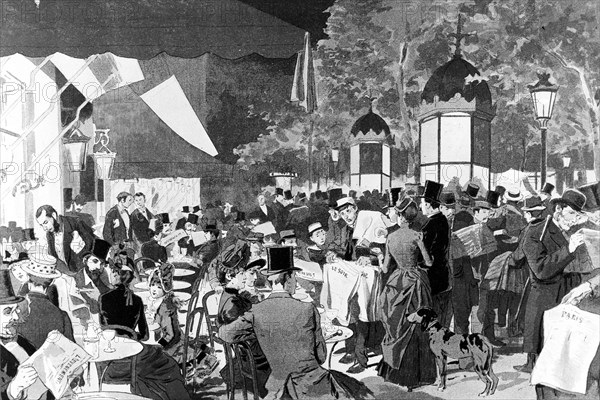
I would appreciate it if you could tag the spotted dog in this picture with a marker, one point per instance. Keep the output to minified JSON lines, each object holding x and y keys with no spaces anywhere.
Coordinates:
{"x":474,"y":348}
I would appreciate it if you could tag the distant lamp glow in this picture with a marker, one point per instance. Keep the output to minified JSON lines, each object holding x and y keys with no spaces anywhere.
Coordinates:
{"x":335,"y":155}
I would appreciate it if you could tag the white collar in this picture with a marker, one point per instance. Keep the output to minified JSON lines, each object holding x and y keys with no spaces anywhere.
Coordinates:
{"x":86,"y":279}
{"x":435,"y":212}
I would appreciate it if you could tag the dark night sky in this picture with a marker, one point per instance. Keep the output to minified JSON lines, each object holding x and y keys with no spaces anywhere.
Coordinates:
{"x":305,"y":14}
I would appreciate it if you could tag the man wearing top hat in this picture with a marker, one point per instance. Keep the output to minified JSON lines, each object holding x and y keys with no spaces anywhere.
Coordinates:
{"x":319,"y":211}
{"x":289,"y":333}
{"x":152,"y":248}
{"x":280,"y":210}
{"x":206,"y":252}
{"x":299,"y":217}
{"x":61,"y":232}
{"x":191,"y":225}
{"x":389,"y":211}
{"x":44,"y":316}
{"x":436,"y":236}
{"x":185,"y":211}
{"x":14,"y":348}
{"x":549,"y":251}
{"x":267,"y":214}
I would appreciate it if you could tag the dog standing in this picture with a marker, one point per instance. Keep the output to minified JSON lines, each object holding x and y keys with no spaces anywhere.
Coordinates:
{"x":444,"y":343}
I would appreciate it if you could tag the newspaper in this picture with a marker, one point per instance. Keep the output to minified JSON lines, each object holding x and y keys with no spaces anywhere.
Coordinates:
{"x":311,"y":271}
{"x":477,"y":240}
{"x":266,"y":229}
{"x":173,"y":237}
{"x":371,"y":226}
{"x":587,"y":257}
{"x":56,"y":363}
{"x":569,"y":335}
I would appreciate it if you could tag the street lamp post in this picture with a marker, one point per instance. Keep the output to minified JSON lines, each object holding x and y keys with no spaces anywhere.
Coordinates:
{"x":335,"y":157}
{"x":566,"y":163}
{"x":543,"y":95}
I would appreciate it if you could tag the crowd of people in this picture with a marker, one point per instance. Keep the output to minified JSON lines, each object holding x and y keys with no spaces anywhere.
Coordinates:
{"x":513,"y":255}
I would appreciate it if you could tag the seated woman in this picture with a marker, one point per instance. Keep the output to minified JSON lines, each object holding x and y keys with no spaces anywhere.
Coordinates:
{"x":233,"y":304}
{"x":158,"y":374}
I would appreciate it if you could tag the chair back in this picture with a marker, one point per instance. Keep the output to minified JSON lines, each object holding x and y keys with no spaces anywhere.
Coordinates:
{"x":247,"y":366}
{"x":210,"y":305}
{"x":144,"y":265}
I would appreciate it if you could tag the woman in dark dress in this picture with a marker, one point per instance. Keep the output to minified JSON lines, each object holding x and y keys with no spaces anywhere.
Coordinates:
{"x":407,"y":359}
{"x":158,"y":374}
{"x":234,"y":303}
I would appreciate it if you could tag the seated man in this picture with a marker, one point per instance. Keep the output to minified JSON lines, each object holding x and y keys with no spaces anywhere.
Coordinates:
{"x":152,"y":249}
{"x":44,"y":316}
{"x":289,"y":332}
{"x":93,"y":280}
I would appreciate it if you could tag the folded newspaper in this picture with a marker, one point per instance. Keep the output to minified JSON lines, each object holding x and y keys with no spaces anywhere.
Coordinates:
{"x":173,"y":237}
{"x":56,"y":363}
{"x":311,"y":271}
{"x":477,"y":240}
{"x":587,"y":257}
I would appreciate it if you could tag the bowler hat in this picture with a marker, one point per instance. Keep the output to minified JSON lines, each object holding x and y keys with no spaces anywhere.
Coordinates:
{"x":288,"y":195}
{"x":100,"y":249}
{"x":7,"y":293}
{"x":448,"y":199}
{"x":164,"y":217}
{"x":280,"y":259}
{"x":548,"y":189}
{"x":572,"y":198}
{"x":193,"y":218}
{"x":432,"y":191}
{"x":287,"y":234}
{"x":212,"y":229}
{"x":472,"y":190}
{"x":592,"y":195}
{"x":534,"y":203}
{"x":278,"y":191}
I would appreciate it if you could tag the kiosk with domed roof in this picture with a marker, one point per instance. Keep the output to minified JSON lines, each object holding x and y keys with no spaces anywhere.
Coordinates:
{"x":455,"y":122}
{"x":370,"y":153}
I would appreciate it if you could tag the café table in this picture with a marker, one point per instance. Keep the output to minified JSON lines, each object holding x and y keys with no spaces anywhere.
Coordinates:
{"x":179,"y":272}
{"x":177,"y":285}
{"x":335,"y":335}
{"x":108,"y":396}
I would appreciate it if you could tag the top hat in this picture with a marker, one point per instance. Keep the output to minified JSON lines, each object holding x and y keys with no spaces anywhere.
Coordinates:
{"x":41,"y":265}
{"x":185,"y":209}
{"x":352,"y":193}
{"x":592,"y":195}
{"x":100,"y":249}
{"x":472,"y":190}
{"x":312,"y":228}
{"x":288,"y":195}
{"x":448,"y":199}
{"x":534,"y":203}
{"x":492,"y":198}
{"x":548,"y":188}
{"x":80,"y":199}
{"x":278,"y":191}
{"x":513,"y":194}
{"x":164,"y":217}
{"x":344,"y":202}
{"x":212,"y":229}
{"x":7,"y":293}
{"x":318,"y":194}
{"x":393,"y":196}
{"x":196,"y":209}
{"x":334,"y":196}
{"x":193,"y":218}
{"x":573,"y":198}
{"x":280,"y":259}
{"x":241,"y":216}
{"x":432,"y":191}
{"x":27,"y":234}
{"x":500,"y":189}
{"x":301,"y":195}
{"x":164,"y":275}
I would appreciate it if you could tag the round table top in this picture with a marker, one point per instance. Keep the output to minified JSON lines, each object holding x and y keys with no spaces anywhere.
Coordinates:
{"x":345,"y":333}
{"x":108,"y":396}
{"x":177,"y":285}
{"x":183,"y":272}
{"x":124,"y":347}
{"x":183,"y":296}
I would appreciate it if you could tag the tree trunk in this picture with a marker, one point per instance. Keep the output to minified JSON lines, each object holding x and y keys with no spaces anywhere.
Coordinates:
{"x":406,"y":138}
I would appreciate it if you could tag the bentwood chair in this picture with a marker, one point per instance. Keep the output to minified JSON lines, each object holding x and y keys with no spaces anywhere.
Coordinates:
{"x":247,"y":366}
{"x":210,"y":306}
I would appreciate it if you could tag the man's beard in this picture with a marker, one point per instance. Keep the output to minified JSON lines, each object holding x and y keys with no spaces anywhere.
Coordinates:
{"x":9,"y":331}
{"x":93,"y":274}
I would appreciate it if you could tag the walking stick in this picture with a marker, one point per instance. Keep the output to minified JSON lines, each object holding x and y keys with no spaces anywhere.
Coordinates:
{"x":523,"y":295}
